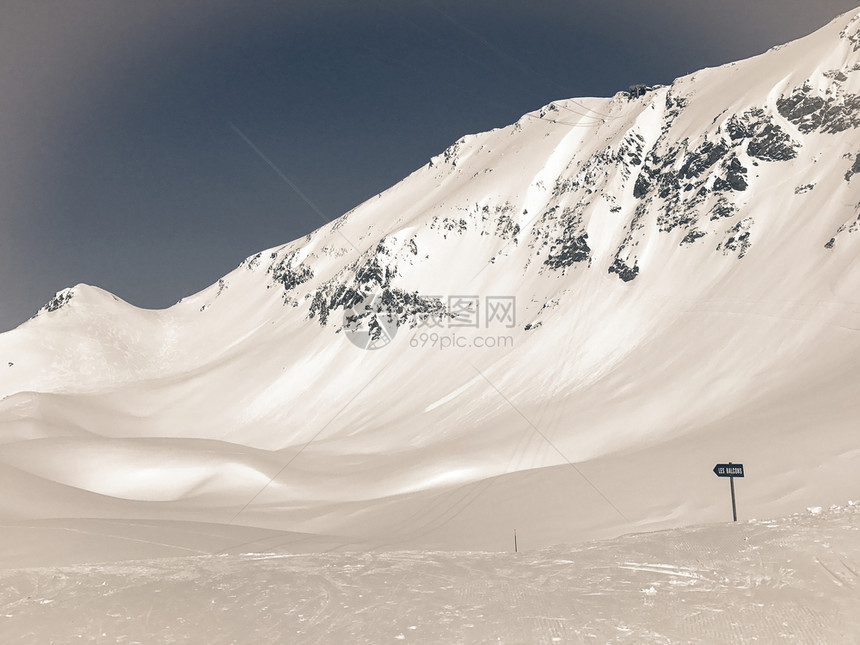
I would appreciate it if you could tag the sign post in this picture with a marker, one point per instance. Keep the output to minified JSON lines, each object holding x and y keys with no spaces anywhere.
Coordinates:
{"x":731,"y":471}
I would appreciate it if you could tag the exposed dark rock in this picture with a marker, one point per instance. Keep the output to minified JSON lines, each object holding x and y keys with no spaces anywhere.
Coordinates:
{"x":374,"y":272}
{"x":405,"y":307}
{"x":449,"y":225}
{"x":290,"y":276}
{"x":626,"y":273}
{"x":497,"y":220}
{"x":692,"y":236}
{"x":738,"y":128}
{"x":740,"y":243}
{"x":669,"y":184}
{"x":854,"y":169}
{"x":658,"y":171}
{"x":451,"y":152}
{"x":847,"y":227}
{"x":772,"y":143}
{"x":546,"y":109}
{"x":570,"y":248}
{"x":811,"y":112}
{"x":735,"y":178}
{"x":319,"y":308}
{"x":673,"y":217}
{"x":852,"y":34}
{"x":699,"y":160}
{"x":802,"y":108}
{"x":506,"y":227}
{"x":252,"y":262}
{"x":60,"y":299}
{"x":371,"y":282}
{"x":723,"y":208}
{"x":629,"y":154}
{"x":330,"y":297}
{"x":738,"y":239}
{"x":836,"y":75}
{"x":840,"y":116}
{"x":642,"y":185}
{"x":767,"y":140}
{"x":590,"y":175}
{"x":674,"y":105}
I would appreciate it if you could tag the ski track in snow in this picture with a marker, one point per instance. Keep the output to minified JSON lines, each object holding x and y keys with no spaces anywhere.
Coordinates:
{"x":792,"y":580}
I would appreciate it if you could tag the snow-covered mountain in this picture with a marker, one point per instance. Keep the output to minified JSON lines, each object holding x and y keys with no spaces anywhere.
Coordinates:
{"x":593,"y":305}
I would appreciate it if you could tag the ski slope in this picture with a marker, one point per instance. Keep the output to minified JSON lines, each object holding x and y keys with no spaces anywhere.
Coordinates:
{"x":795,"y":579}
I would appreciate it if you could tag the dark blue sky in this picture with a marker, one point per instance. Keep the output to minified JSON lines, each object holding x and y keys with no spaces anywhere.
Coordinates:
{"x":119,"y":165}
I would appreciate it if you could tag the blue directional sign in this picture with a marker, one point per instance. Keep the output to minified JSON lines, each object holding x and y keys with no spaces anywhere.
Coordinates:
{"x":729,"y":470}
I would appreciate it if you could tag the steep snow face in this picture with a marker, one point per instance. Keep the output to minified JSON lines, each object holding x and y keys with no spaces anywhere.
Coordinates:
{"x":647,"y":283}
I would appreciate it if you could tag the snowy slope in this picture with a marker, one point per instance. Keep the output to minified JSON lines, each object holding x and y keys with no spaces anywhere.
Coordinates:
{"x":682,"y":266}
{"x":790,"y":580}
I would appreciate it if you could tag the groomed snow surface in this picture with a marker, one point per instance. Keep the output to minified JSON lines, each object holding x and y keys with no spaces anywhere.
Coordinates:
{"x":794,"y":580}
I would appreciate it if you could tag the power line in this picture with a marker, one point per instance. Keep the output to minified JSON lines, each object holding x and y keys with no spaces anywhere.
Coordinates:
{"x":280,"y":173}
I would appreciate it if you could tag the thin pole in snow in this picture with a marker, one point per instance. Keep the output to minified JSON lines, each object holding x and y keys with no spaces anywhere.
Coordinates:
{"x":734,"y":508}
{"x":515,"y":540}
{"x":731,"y":471}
